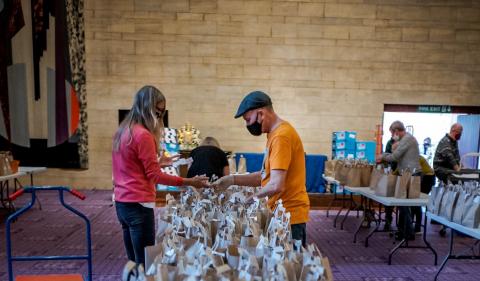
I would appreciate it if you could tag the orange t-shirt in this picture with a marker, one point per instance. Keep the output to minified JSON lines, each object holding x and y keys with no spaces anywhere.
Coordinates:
{"x":284,"y":151}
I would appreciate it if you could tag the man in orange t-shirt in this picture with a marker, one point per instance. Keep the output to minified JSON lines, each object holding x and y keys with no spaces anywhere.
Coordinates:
{"x":283,"y":171}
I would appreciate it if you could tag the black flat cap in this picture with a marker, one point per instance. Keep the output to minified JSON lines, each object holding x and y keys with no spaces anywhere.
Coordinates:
{"x":254,"y":100}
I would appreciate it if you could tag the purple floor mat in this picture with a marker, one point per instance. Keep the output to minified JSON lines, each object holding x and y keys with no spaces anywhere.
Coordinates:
{"x":55,"y":231}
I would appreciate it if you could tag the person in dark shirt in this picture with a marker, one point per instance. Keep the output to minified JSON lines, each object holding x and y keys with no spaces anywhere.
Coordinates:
{"x":393,"y":165}
{"x":447,"y":156}
{"x":208,"y":160}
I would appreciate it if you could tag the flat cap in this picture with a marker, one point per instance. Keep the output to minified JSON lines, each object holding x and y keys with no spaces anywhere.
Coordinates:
{"x":254,"y":100}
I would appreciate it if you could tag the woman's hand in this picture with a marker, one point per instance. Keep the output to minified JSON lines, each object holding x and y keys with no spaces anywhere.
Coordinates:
{"x":197,"y":181}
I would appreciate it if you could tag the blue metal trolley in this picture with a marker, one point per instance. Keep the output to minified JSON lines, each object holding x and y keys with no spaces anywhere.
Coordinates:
{"x":58,"y":277}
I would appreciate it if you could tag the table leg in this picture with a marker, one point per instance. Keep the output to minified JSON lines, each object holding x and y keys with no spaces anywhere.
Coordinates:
{"x":450,"y":250}
{"x":7,"y":199}
{"x":333,"y":200}
{"x":2,"y":191}
{"x":425,"y":223}
{"x":404,"y":240}
{"x":348,"y":211}
{"x":340,"y":210}
{"x":377,"y":225}
{"x":362,"y":218}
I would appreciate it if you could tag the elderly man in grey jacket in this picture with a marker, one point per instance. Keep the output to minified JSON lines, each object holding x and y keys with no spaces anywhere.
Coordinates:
{"x":406,"y":154}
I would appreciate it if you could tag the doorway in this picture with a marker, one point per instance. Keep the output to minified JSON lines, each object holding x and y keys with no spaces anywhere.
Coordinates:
{"x":429,"y":124}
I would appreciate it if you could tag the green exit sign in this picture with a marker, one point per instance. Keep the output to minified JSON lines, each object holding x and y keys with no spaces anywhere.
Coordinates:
{"x":434,"y":108}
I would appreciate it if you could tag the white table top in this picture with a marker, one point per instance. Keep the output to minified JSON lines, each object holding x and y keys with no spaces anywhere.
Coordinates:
{"x":23,"y":171}
{"x":13,"y":176}
{"x":475,"y":233}
{"x":331,"y":180}
{"x":390,"y":201}
{"x":31,"y":170}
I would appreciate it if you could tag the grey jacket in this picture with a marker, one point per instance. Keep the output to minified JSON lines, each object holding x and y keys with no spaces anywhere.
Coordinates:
{"x":407,"y":154}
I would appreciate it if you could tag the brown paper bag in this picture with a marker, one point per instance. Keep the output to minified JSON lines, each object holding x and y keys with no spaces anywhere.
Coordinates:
{"x":414,"y":187}
{"x":290,"y":268}
{"x":386,"y":185}
{"x":233,"y":256}
{"x":354,"y":177}
{"x":337,"y":168}
{"x":328,"y":269}
{"x":166,"y":272}
{"x":366,"y":172}
{"x":374,"y":178}
{"x":401,"y":186}
{"x":249,"y":244}
{"x":342,"y":174}
{"x":330,"y":168}
{"x":5,"y":167}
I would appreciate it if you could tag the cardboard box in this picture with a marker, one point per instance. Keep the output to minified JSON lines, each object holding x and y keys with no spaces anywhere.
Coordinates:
{"x":365,"y":145}
{"x":345,"y":144}
{"x":344,"y":135}
{"x":343,"y":154}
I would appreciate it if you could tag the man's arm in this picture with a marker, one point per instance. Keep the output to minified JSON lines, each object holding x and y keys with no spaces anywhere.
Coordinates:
{"x":253,"y":179}
{"x":397,"y":153}
{"x":448,"y":153}
{"x":275,"y":185}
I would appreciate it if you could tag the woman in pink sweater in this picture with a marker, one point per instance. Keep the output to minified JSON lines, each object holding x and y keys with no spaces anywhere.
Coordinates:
{"x":136,"y":171}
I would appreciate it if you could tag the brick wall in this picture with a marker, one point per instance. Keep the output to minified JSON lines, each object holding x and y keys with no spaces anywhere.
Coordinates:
{"x":328,"y":65}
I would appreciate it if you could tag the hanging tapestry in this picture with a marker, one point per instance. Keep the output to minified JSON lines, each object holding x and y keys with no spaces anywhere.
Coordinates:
{"x":43,"y":117}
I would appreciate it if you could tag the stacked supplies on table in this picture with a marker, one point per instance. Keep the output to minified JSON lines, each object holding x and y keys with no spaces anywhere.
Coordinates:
{"x":459,"y":203}
{"x":216,"y":235}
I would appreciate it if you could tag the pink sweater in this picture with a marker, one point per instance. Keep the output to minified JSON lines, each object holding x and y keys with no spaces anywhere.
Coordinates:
{"x":136,"y":170}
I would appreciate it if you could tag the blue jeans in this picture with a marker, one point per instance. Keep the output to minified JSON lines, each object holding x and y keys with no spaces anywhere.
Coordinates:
{"x":138,"y":224}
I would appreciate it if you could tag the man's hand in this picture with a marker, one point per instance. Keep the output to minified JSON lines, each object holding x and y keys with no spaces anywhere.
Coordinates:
{"x":379,"y":158}
{"x":250,"y":199}
{"x":224,"y":182}
{"x":197,"y":181}
{"x":395,"y":145}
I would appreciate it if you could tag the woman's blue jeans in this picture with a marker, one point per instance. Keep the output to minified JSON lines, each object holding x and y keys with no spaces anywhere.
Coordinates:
{"x":138,"y":224}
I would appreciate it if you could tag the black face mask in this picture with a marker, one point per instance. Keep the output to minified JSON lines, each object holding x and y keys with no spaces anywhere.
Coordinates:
{"x":255,"y":128}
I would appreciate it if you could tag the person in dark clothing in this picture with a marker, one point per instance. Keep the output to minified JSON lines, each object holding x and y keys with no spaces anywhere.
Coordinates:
{"x":393,"y":165}
{"x":426,"y":184}
{"x":447,"y":156}
{"x":208,"y":160}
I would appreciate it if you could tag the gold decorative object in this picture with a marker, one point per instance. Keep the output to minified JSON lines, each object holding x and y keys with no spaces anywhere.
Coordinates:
{"x":188,"y":137}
